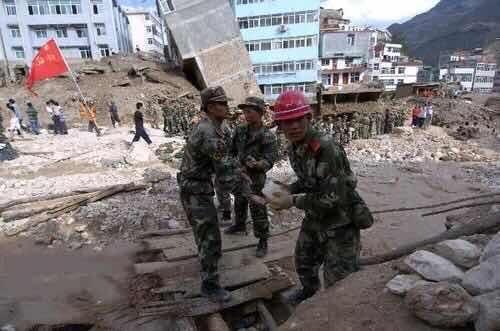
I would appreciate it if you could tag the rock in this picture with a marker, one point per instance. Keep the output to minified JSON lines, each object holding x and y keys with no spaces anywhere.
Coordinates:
{"x":492,"y":249}
{"x":80,"y":228}
{"x":460,"y":252}
{"x":489,"y":312}
{"x":483,"y":278}
{"x":434,"y":267}
{"x":401,"y":284}
{"x":85,"y":235}
{"x":402,"y":130}
{"x":442,"y":304}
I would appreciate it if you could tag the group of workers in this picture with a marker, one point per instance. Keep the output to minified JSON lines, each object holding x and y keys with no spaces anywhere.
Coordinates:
{"x":325,"y":189}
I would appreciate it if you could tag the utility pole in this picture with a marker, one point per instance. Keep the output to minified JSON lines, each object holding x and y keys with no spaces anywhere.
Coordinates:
{"x":6,"y":61}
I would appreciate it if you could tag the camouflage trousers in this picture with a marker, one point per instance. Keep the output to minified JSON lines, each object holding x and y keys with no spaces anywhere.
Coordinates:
{"x":258,"y":212}
{"x":202,"y":215}
{"x":336,"y":249}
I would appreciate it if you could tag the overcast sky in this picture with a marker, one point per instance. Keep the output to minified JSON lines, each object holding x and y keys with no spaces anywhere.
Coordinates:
{"x":377,"y":13}
{"x":380,"y":13}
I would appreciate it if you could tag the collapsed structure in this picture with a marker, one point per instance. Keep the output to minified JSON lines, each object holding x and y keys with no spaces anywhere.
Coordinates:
{"x":201,"y":34}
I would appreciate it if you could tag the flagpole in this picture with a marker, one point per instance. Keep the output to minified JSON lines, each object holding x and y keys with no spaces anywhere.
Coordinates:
{"x":76,"y":83}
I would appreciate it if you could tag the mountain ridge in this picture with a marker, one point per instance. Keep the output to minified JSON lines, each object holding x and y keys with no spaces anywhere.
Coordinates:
{"x":449,"y":26}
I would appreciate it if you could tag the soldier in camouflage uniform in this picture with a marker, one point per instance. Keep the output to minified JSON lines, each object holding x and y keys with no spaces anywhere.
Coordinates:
{"x":206,"y":154}
{"x":255,"y":146}
{"x":222,"y":193}
{"x":324,"y":189}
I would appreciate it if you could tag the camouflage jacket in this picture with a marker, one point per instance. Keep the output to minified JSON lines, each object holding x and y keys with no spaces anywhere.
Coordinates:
{"x":206,"y":153}
{"x":259,"y":145}
{"x":325,"y":176}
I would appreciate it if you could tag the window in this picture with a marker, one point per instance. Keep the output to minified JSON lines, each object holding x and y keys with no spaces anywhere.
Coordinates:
{"x":375,"y":78}
{"x":100,"y":29}
{"x":376,"y":66}
{"x":277,"y":89}
{"x":15,"y":32}
{"x":265,"y":46}
{"x":148,"y":29}
{"x":355,"y":77}
{"x":309,"y":41}
{"x":348,"y":62}
{"x":311,"y":17}
{"x":150,"y":41}
{"x":81,"y":32}
{"x":350,"y":39}
{"x":325,"y":62}
{"x":85,"y":52}
{"x":243,"y":23}
{"x":104,"y":50}
{"x":267,"y":90}
{"x":61,"y":33}
{"x":277,"y":19}
{"x":10,"y":8}
{"x":393,"y":71}
{"x":97,"y":7}
{"x":41,"y":33}
{"x":401,"y":70}
{"x":401,"y":81}
{"x":253,"y":22}
{"x":146,"y":17}
{"x":19,"y":51}
{"x":326,"y":79}
{"x":300,"y":17}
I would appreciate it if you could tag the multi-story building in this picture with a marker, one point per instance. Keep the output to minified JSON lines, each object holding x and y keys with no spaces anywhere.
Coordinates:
{"x":345,"y":56}
{"x":146,"y":31}
{"x":282,"y":38}
{"x":474,"y":71}
{"x":391,"y":68}
{"x":83,"y":29}
{"x":496,"y":84}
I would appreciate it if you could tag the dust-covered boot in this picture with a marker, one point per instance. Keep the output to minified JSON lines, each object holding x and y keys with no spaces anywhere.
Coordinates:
{"x":214,"y":292}
{"x":236,"y":228}
{"x":261,"y":248}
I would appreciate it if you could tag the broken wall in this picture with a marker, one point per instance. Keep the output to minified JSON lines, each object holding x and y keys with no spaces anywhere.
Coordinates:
{"x":207,"y":32}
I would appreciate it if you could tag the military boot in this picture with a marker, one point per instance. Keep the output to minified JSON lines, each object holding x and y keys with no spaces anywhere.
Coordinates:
{"x":299,"y":295}
{"x":236,"y":228}
{"x":214,"y":292}
{"x":261,"y":248}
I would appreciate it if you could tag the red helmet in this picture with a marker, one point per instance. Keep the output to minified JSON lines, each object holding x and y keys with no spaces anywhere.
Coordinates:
{"x":290,"y":105}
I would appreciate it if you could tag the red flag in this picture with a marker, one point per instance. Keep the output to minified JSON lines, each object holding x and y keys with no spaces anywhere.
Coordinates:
{"x":49,"y":62}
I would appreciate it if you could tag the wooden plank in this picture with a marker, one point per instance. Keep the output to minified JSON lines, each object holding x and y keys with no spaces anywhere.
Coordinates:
{"x":155,"y":244}
{"x":162,"y":233}
{"x":240,"y":276}
{"x":202,"y":306}
{"x":215,"y":322}
{"x":277,"y":250}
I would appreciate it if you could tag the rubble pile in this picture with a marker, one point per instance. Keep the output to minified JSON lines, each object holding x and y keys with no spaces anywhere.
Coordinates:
{"x":124,"y":79}
{"x":454,"y":283}
{"x":414,"y":145}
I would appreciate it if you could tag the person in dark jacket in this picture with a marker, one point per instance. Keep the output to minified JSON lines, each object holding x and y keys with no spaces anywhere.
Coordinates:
{"x":113,"y":112}
{"x":140,"y":132}
{"x":33,"y":117}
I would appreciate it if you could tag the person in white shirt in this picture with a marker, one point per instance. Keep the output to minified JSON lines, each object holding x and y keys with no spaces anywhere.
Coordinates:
{"x":430,"y":112}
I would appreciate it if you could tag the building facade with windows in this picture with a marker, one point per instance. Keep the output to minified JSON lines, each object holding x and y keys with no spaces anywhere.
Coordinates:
{"x":281,"y":37}
{"x":146,"y":31}
{"x":83,"y":29}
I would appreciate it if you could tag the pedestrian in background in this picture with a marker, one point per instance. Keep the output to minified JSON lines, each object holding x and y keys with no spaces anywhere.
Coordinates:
{"x":89,"y":111}
{"x":422,"y":116}
{"x":12,"y":105}
{"x":140,"y":132}
{"x":113,"y":113}
{"x":63,"y":129}
{"x":415,"y":115}
{"x":430,"y":114}
{"x":33,"y":118}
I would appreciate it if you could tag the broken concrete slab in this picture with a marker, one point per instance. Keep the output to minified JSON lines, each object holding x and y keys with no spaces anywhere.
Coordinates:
{"x":489,"y":312}
{"x":492,"y":248}
{"x":483,"y":278}
{"x":401,"y":284}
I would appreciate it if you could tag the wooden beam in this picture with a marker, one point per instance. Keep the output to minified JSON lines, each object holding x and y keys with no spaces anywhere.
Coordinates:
{"x":480,"y":226}
{"x":202,"y":306}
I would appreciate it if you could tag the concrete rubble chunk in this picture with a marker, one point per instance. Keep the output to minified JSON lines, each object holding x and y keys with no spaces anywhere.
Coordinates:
{"x":434,"y":267}
{"x":489,"y":312}
{"x":442,"y":304}
{"x":483,"y":278}
{"x":492,"y":249}
{"x":460,"y":252}
{"x":401,"y":284}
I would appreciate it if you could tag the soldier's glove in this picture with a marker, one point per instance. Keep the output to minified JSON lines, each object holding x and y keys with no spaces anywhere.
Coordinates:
{"x":281,"y":201}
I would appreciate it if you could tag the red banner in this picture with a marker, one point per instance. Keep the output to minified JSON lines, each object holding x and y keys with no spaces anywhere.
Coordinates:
{"x":49,"y":62}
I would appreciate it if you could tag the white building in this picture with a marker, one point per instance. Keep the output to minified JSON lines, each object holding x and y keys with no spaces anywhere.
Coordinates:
{"x":83,"y":29}
{"x":146,"y":31}
{"x":391,"y":68}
